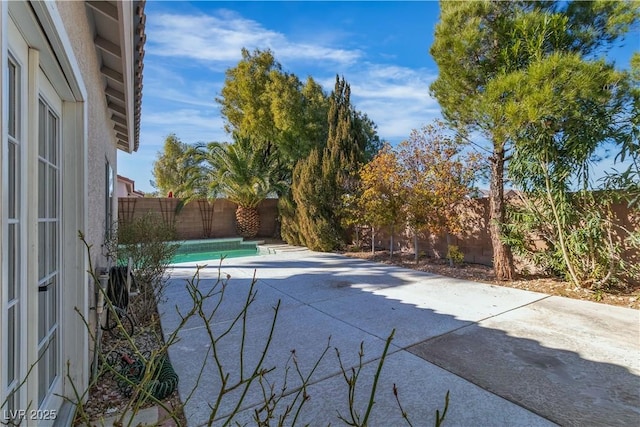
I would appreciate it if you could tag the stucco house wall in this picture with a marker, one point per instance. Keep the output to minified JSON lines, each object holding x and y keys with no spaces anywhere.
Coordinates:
{"x":62,"y":122}
{"x":101,"y":147}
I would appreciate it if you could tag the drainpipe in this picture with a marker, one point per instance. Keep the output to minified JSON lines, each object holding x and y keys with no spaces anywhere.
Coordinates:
{"x":103,"y":281}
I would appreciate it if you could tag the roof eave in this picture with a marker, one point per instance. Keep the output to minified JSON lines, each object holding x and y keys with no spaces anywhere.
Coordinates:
{"x":121,"y":54}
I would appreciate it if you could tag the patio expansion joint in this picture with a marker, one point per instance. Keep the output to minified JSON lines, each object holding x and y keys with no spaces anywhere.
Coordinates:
{"x":476,"y":322}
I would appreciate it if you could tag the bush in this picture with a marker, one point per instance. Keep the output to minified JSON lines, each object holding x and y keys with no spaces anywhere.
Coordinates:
{"x":455,"y":256}
{"x":147,"y":241}
{"x":589,"y":244}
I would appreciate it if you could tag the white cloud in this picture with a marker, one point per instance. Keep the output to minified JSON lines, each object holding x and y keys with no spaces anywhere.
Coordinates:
{"x":190,"y":125}
{"x":396,"y":98}
{"x":220,"y":38}
{"x":396,"y":120}
{"x":186,"y":55}
{"x":161,"y":82}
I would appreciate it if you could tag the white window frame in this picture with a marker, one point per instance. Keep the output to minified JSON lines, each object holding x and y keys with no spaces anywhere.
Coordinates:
{"x":16,"y":253}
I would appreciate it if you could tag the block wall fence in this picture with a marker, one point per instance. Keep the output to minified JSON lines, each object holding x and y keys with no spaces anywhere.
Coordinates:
{"x":474,"y":241}
{"x":198,"y":219}
{"x":201,"y":219}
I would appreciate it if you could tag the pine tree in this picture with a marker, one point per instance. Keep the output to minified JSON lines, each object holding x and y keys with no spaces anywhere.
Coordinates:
{"x":482,"y":48}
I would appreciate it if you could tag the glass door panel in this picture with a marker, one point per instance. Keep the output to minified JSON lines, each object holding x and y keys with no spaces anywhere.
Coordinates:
{"x":48,"y":248}
{"x":12,"y":246}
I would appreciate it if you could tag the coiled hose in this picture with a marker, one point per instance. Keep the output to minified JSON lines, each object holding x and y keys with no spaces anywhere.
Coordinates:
{"x":164,"y":379}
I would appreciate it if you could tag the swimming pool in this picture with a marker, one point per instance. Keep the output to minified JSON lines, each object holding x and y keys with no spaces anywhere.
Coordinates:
{"x":213,"y":255}
{"x":214,"y":250}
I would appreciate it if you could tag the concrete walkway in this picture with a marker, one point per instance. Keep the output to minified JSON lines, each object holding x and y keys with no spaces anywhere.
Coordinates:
{"x":508,"y":357}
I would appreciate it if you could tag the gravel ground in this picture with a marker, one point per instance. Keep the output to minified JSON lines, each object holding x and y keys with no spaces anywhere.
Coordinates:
{"x":106,"y":398}
{"x":625,"y":297}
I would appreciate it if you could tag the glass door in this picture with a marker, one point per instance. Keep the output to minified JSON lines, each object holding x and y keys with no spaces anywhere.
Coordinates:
{"x":49,"y":227}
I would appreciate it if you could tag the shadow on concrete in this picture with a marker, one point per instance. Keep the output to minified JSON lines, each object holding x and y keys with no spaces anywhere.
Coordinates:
{"x":567,"y":361}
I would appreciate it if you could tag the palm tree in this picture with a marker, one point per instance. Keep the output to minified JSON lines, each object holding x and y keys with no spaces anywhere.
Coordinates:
{"x":245,"y":175}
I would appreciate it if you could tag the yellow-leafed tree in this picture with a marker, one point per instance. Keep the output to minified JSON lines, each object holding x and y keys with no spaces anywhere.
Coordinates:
{"x":383,"y":193}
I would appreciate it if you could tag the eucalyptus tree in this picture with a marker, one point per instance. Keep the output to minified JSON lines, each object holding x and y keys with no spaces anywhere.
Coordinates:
{"x":492,"y":54}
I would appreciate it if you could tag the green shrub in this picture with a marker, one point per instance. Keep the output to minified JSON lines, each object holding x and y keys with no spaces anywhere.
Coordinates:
{"x":148,"y":242}
{"x":455,"y":256}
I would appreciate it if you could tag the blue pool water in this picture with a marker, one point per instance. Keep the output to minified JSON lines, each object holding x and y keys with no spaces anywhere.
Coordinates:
{"x":213,"y":255}
{"x":214,"y":250}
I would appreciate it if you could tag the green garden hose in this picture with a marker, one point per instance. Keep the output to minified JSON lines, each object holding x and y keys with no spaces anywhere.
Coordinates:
{"x":164,"y":380}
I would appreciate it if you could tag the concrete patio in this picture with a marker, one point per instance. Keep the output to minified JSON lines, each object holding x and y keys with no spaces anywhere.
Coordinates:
{"x":508,"y":357}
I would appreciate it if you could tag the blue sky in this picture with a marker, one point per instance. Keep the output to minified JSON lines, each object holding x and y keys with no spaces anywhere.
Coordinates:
{"x":381,"y":48}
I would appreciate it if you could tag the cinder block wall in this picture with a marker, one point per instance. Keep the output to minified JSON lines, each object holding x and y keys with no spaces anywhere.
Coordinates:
{"x":189,"y":221}
{"x":475,"y":241}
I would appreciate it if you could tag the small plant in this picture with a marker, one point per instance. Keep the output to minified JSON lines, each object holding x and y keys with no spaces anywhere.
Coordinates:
{"x":143,"y":377}
{"x":355,"y":247}
{"x":455,"y":256}
{"x":147,"y":242}
{"x":598,"y":295}
{"x":355,"y":418}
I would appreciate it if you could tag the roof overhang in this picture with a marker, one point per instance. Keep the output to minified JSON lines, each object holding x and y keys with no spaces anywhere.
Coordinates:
{"x":119,"y":38}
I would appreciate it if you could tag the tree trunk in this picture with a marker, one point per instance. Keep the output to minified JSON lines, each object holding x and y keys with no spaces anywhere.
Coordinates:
{"x":502,"y":257}
{"x":415,"y":246}
{"x":391,"y":247}
{"x":373,"y":241}
{"x":449,"y":245}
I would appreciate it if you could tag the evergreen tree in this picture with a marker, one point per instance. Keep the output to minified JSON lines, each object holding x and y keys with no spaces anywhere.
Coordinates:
{"x":170,"y":167}
{"x":482,"y":46}
{"x":322,"y":179}
{"x":260,"y":100}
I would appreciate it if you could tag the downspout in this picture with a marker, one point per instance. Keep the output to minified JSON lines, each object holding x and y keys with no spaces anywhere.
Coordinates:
{"x":103,"y":281}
